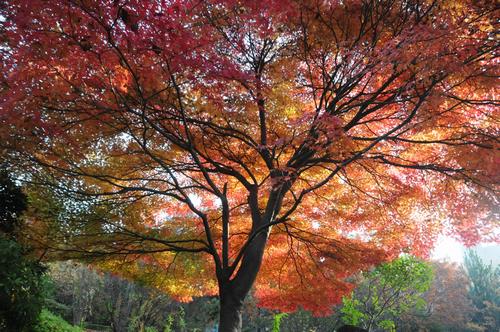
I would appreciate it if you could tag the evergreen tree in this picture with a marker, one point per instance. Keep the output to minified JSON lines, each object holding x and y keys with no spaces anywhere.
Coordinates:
{"x":484,"y":291}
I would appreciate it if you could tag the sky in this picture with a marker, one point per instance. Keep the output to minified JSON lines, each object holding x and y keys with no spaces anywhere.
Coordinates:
{"x":450,"y":249}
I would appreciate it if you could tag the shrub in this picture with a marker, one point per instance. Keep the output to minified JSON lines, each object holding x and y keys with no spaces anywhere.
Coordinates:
{"x":48,"y":322}
{"x":21,"y":287}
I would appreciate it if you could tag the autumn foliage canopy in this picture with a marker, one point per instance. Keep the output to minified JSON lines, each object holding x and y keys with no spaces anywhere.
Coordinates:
{"x":181,"y":142}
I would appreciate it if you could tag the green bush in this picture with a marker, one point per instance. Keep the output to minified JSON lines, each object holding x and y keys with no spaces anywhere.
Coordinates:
{"x":21,"y":287}
{"x":386,"y":293}
{"x":21,"y":278}
{"x":48,"y":322}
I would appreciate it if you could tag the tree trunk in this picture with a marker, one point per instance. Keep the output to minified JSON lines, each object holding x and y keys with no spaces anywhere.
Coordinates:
{"x":232,"y":293}
{"x":230,"y":313}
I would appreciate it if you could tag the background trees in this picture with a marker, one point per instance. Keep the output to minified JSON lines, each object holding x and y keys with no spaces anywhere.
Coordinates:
{"x":448,"y":306}
{"x":99,"y":300}
{"x":219,"y":140}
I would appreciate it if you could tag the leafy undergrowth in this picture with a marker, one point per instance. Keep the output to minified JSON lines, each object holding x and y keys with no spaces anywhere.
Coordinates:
{"x":50,"y":322}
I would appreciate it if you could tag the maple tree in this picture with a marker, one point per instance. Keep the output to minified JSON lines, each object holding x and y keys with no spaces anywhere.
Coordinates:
{"x":212,"y":146}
